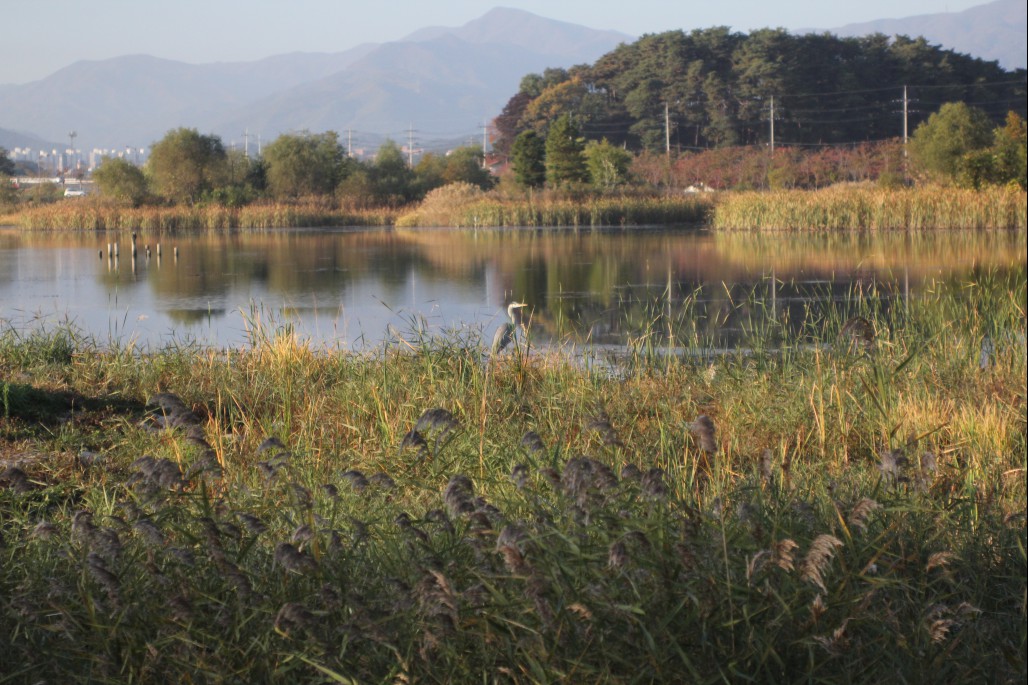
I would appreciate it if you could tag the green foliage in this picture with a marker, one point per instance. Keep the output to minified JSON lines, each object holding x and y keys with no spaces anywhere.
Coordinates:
{"x":185,"y":164}
{"x":716,"y":86}
{"x":1004,"y":162}
{"x":247,"y":179}
{"x":299,"y":165}
{"x":122,"y":181}
{"x":392,"y":181}
{"x":608,"y":164}
{"x":466,"y":165}
{"x":565,"y":154}
{"x":533,"y":85}
{"x":940,"y":144}
{"x":6,"y":164}
{"x":8,"y":194}
{"x":461,"y":165}
{"x":528,"y":159}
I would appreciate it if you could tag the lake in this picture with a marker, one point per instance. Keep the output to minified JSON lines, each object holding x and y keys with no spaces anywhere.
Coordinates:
{"x":355,"y":289}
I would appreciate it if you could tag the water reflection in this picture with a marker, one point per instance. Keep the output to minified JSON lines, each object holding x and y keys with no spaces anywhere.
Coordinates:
{"x":344,"y":288}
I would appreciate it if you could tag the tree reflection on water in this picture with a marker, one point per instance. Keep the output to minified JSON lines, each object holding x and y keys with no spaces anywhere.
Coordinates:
{"x":345,"y":287}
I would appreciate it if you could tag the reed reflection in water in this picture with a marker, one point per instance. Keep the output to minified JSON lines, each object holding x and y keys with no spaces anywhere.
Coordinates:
{"x":350,"y":288}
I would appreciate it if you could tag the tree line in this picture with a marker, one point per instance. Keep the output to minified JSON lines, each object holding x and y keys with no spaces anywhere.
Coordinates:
{"x":717,"y":88}
{"x":187,"y":167}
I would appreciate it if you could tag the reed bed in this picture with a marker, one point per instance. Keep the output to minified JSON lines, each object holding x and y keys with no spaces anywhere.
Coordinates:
{"x":914,"y":209}
{"x":98,"y":217}
{"x":845,"y":505}
{"x":482,"y":210}
{"x":463,"y":206}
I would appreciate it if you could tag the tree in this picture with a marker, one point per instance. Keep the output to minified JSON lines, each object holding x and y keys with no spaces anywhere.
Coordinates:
{"x":608,"y":164}
{"x":940,"y":144}
{"x":6,"y":165}
{"x":7,"y":191}
{"x":528,"y":157}
{"x":565,"y":97}
{"x":508,"y":124}
{"x":185,"y":164}
{"x":565,"y":153}
{"x":392,"y":181}
{"x":305,"y":164}
{"x":465,"y":164}
{"x":8,"y":194}
{"x":121,"y":180}
{"x":1010,"y":152}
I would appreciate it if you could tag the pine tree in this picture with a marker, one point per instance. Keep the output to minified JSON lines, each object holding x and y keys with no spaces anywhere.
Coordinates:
{"x":565,"y":154}
{"x":528,"y":157}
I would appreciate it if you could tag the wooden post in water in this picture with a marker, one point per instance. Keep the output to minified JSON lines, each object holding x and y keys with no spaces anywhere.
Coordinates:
{"x":133,"y":244}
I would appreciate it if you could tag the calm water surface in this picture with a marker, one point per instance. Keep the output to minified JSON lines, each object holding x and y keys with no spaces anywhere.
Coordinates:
{"x":347,"y":288}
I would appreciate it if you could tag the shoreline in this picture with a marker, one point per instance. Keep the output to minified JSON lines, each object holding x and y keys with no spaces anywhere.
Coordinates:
{"x":832,"y":209}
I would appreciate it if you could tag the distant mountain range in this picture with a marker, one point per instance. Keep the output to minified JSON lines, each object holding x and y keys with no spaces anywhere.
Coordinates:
{"x":437,"y":84}
{"x":996,"y":31}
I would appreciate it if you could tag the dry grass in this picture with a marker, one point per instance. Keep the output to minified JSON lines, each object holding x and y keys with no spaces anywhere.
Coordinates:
{"x":97,"y":216}
{"x":847,"y":514}
{"x":915,"y":209}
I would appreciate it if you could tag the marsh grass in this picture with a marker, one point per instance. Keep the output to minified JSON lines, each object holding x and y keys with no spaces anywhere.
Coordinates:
{"x":849,"y":208}
{"x":461,"y":208}
{"x":461,"y":205}
{"x":857,"y":515}
{"x":99,"y":216}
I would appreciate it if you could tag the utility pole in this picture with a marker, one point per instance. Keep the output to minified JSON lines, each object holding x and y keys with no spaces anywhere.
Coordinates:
{"x":485,"y":143}
{"x":349,"y":142}
{"x":905,"y":112}
{"x":246,"y":143}
{"x":410,"y":146}
{"x":667,"y":130}
{"x":772,"y":125}
{"x":71,"y":147}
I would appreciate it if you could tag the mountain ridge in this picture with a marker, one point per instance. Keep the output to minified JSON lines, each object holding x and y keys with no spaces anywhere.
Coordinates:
{"x":138,"y":98}
{"x":439,"y":82}
{"x":993,"y":31}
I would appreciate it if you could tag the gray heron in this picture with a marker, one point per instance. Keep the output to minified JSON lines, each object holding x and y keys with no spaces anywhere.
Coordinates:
{"x":505,"y":333}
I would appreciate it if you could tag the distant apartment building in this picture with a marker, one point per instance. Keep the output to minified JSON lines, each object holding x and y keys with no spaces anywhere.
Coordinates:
{"x":54,"y":162}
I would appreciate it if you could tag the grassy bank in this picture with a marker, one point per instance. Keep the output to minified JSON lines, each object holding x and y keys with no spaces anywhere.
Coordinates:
{"x":463,"y":206}
{"x":873,"y":209}
{"x":852,"y":512}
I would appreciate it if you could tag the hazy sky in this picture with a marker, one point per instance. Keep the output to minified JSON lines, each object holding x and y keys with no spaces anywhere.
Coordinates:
{"x":39,"y":37}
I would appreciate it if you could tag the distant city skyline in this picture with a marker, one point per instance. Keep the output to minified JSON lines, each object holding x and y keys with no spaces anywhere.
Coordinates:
{"x":43,"y":37}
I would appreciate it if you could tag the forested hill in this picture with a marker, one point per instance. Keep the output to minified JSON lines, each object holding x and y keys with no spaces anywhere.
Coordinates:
{"x":713,"y":87}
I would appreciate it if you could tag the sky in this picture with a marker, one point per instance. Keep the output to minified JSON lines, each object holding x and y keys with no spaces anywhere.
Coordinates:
{"x":39,"y":37}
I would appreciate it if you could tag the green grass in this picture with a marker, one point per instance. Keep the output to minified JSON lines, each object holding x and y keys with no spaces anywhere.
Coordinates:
{"x":861,"y":520}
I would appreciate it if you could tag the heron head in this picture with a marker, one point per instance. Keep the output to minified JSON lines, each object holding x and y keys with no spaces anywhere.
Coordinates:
{"x":513,"y":311}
